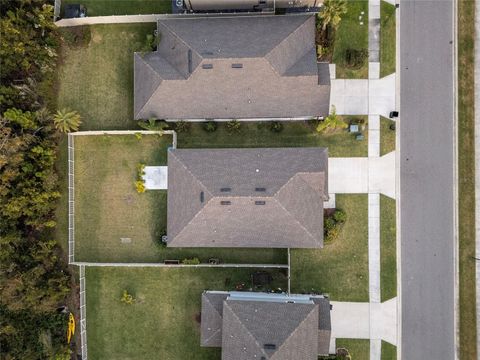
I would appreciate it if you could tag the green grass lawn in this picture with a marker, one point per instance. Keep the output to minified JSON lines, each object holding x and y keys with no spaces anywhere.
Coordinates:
{"x":387,"y":136}
{"x":359,"y":349}
{"x":257,"y":134}
{"x":466,"y":176}
{"x":108,"y":207}
{"x":123,"y":7}
{"x":163,"y":322}
{"x":351,"y":35}
{"x":389,"y":351}
{"x":339,"y":269}
{"x":387,"y":39}
{"x":388,"y":248}
{"x":97,"y":80}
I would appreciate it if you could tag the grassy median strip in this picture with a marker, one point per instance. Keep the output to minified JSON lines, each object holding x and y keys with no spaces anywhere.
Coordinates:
{"x":387,"y":135}
{"x":164,"y":320}
{"x":466,"y":176}
{"x":340,"y":269}
{"x":388,"y":248}
{"x":123,"y":7}
{"x":389,"y":351}
{"x":352,"y":34}
{"x":387,"y":39}
{"x":359,"y":349}
{"x":96,"y":78}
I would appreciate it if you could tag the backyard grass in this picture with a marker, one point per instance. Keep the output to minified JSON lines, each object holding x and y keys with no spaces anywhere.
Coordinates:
{"x":389,"y":351}
{"x":123,"y":7}
{"x":97,"y":79}
{"x":163,"y":321}
{"x":387,"y":39}
{"x":359,"y":349}
{"x":340,"y":269}
{"x":387,"y":136}
{"x":258,"y":134}
{"x":351,"y":35}
{"x":466,"y":176}
{"x":388,"y":248}
{"x":108,"y":207}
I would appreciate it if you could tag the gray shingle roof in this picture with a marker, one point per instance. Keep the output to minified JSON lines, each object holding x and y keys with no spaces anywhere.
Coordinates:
{"x":278,"y":78}
{"x":268,"y":197}
{"x":243,"y":327}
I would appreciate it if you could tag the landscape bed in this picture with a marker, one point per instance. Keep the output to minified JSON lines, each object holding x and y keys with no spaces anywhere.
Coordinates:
{"x":164,"y":319}
{"x":294,"y":134}
{"x":340,"y":269}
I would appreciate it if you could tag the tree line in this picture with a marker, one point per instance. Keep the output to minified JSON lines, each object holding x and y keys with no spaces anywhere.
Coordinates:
{"x":34,"y":278}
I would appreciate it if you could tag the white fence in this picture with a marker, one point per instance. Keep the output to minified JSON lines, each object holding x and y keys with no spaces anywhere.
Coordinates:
{"x":162,"y":265}
{"x":83,"y":314}
{"x":71,"y":199}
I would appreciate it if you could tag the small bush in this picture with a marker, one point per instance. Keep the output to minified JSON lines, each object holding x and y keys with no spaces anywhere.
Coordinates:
{"x":276,"y":126}
{"x":233,"y":126}
{"x":127,"y":298}
{"x":210,"y":126}
{"x":140,"y":170}
{"x":182,"y":126}
{"x":138,"y":136}
{"x":339,"y":216}
{"x":356,"y":58}
{"x":329,"y":223}
{"x":140,"y":186}
{"x":192,"y":261}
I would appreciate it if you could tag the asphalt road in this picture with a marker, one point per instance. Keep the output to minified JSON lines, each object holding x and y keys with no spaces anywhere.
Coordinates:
{"x":427,"y":179}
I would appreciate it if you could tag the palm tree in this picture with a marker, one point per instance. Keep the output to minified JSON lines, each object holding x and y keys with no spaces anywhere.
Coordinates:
{"x":67,"y":120}
{"x":331,"y":14}
{"x":332,"y":122}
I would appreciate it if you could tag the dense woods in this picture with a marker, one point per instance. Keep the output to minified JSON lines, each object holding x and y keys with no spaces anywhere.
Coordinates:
{"x":34,"y":280}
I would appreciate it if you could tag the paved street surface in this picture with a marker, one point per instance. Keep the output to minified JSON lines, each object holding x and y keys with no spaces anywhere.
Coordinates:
{"x":426,"y":145}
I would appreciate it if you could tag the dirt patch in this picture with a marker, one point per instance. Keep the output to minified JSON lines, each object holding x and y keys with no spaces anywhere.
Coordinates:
{"x":97,"y":38}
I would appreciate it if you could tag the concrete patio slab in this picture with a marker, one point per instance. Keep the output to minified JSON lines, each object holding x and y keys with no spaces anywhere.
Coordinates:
{"x":156,"y":177}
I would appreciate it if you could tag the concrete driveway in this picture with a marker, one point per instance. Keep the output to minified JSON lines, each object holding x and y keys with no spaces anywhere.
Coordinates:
{"x":363,"y":96}
{"x":362,"y":175}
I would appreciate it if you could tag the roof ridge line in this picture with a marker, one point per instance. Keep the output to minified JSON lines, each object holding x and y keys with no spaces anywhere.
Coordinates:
{"x":243,"y":326}
{"x":281,"y":42}
{"x":316,"y":307}
{"x":156,"y":72}
{"x":295,"y":219}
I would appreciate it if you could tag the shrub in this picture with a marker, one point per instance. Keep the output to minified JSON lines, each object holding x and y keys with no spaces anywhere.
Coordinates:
{"x":233,"y":126}
{"x":355,"y":58}
{"x":339,"y":216}
{"x":276,"y":126}
{"x":329,"y":223}
{"x":140,"y":186}
{"x":140,"y":170}
{"x":127,"y":298}
{"x":331,"y":123}
{"x":182,"y":126}
{"x":138,"y":136}
{"x":192,"y":261}
{"x":210,"y":126}
{"x":331,"y":234}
